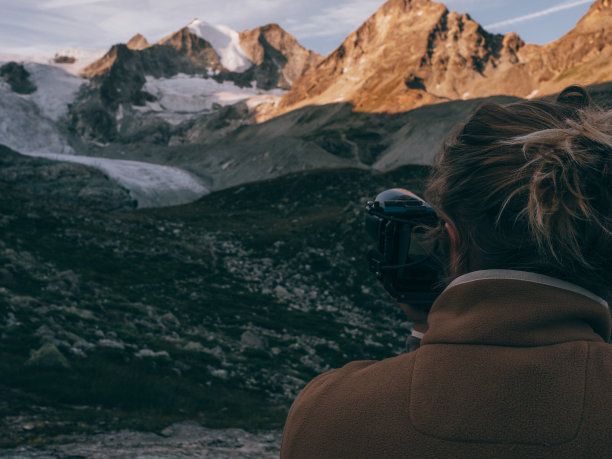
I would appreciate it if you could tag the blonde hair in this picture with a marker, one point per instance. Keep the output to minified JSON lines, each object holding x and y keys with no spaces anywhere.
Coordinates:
{"x":528,"y":186}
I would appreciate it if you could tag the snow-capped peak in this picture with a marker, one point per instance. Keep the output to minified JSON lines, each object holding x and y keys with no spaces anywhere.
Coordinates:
{"x":226,"y":43}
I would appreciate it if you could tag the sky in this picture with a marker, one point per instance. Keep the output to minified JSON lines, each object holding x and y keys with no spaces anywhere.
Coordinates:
{"x":48,"y":26}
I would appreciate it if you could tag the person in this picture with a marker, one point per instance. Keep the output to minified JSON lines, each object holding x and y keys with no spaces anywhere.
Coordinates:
{"x":515,"y":360}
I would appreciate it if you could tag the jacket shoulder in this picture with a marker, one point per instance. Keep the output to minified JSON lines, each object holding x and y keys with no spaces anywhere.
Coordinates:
{"x":346,"y":405}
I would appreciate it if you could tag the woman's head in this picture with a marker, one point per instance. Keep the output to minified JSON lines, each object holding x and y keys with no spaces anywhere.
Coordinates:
{"x":529,"y":186}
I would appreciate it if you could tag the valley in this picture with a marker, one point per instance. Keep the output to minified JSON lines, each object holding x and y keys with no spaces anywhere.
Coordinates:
{"x":182,"y":244}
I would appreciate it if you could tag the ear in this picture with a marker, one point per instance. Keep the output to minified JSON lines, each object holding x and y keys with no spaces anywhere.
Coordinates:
{"x":453,"y":237}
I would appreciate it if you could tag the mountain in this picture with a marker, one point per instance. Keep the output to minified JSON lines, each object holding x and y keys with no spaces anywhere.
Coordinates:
{"x":268,"y":55}
{"x":582,"y":56}
{"x":196,"y":99}
{"x":277,"y":55}
{"x":208,"y":59}
{"x":138,"y":42}
{"x":416,"y":52}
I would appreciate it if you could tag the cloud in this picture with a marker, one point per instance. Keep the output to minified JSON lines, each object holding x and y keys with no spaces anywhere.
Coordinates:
{"x":66,"y":3}
{"x":529,"y":17}
{"x":335,"y":20}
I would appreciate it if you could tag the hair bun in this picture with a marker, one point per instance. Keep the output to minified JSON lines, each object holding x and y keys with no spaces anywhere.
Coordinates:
{"x":575,"y":96}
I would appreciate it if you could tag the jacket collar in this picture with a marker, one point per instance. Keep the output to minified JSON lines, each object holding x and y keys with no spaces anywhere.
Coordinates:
{"x":516,"y":308}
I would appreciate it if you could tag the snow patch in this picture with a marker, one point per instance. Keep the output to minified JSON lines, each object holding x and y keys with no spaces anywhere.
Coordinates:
{"x":55,"y":88}
{"x":226,"y":43}
{"x":23,"y":126}
{"x":187,"y":94}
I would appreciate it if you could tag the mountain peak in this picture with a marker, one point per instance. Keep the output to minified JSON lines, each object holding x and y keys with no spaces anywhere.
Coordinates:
{"x":226,"y":43}
{"x":411,"y":53}
{"x":270,"y":46}
{"x":138,"y":42}
{"x":408,"y":53}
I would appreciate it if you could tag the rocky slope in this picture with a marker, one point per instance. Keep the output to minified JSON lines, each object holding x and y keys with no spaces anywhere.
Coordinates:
{"x":216,"y":312}
{"x":416,"y":52}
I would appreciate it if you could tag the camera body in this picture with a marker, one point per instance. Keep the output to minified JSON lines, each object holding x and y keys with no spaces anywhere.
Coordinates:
{"x":396,"y":220}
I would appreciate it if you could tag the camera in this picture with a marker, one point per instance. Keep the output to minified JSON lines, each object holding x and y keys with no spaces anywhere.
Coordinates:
{"x":397,"y":220}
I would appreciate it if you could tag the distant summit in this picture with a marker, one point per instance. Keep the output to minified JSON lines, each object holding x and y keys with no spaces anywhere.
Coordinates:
{"x":268,"y":55}
{"x":215,"y":65}
{"x":275,"y":51}
{"x":138,"y":42}
{"x":226,"y":43}
{"x":416,"y":52}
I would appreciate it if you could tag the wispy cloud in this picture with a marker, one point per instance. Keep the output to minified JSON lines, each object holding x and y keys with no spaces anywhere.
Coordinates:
{"x":66,"y":3}
{"x":529,"y":17}
{"x":337,"y":20}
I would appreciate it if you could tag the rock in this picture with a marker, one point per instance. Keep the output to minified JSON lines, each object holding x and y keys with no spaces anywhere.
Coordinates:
{"x":7,"y":279}
{"x":149,"y":353}
{"x":18,"y":78}
{"x":194,"y":346}
{"x":185,"y":439}
{"x":250,"y":339}
{"x":48,"y":356}
{"x":170,"y":320}
{"x":111,"y":344}
{"x":63,"y":59}
{"x":218,"y":373}
{"x":281,"y":292}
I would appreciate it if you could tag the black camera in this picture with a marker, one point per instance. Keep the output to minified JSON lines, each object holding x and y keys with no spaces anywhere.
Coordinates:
{"x":397,"y":220}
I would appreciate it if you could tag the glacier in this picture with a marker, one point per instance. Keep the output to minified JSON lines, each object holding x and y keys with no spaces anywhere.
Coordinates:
{"x":151,"y":185}
{"x":28,"y":125}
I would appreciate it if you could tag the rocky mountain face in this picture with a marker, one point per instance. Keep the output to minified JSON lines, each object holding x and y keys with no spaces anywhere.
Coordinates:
{"x":138,"y":42}
{"x":415,"y":52}
{"x":582,"y":56}
{"x":119,"y":76}
{"x":182,"y":52}
{"x":278,"y":58}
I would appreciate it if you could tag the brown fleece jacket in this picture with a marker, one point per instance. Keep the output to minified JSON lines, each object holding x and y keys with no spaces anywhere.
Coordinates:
{"x":511,"y":367}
